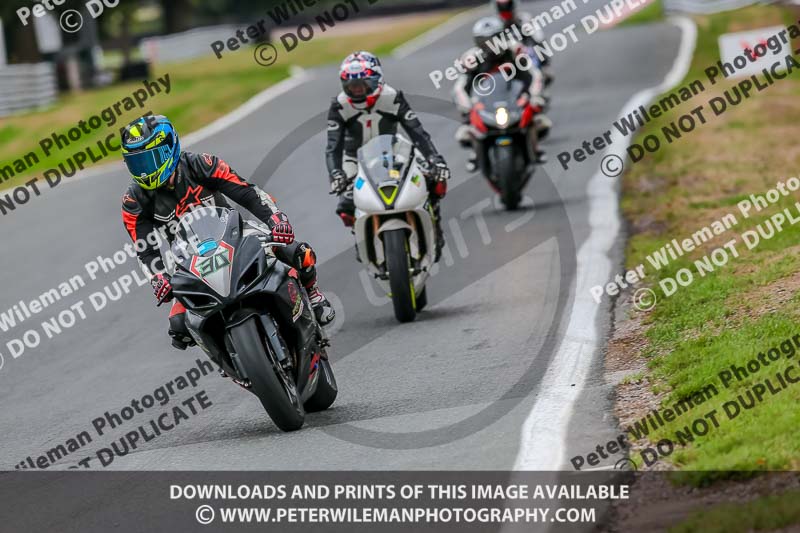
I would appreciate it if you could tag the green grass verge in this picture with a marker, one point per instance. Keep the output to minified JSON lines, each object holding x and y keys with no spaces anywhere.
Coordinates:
{"x":769,"y":513}
{"x":652,"y":12}
{"x":202,"y":90}
{"x":745,"y":307}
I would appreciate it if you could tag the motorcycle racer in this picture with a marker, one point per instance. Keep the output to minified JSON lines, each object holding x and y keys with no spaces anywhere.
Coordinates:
{"x":506,"y":10}
{"x":366,"y":108}
{"x":167,"y":182}
{"x":492,"y":50}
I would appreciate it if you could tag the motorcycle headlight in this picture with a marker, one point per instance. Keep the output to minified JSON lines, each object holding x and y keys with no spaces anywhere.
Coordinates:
{"x":501,"y":116}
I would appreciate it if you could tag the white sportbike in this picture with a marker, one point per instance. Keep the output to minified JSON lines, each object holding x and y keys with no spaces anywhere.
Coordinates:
{"x":395,"y":223}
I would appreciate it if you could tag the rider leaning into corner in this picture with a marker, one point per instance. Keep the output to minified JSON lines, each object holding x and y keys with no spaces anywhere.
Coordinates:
{"x":366,"y":108}
{"x":488,"y":58}
{"x":167,"y":182}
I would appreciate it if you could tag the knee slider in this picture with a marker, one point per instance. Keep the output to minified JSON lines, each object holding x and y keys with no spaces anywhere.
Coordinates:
{"x":305,"y":258}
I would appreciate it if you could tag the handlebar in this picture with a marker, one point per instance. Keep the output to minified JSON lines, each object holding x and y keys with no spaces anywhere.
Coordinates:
{"x":264,"y":235}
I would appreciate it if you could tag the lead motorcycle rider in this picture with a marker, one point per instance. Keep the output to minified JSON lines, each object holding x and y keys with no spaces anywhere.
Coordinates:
{"x":167,"y":182}
{"x":366,"y":108}
{"x":488,"y":59}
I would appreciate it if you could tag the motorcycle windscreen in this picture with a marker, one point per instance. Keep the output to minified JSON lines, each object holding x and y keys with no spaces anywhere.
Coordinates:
{"x":503,"y":92}
{"x":386,"y":158}
{"x":199,"y":247}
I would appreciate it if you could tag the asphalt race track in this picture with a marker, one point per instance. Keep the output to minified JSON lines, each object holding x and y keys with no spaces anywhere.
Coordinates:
{"x":449,"y":391}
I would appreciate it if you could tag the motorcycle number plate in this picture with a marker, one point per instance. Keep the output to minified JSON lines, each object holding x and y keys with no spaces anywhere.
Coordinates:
{"x":503,"y":141}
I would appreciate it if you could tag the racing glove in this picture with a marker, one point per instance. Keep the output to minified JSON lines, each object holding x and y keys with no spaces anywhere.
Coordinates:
{"x":440,"y":174}
{"x":282,"y":231}
{"x":162,"y":288}
{"x":338,"y":182}
{"x":537,"y":102}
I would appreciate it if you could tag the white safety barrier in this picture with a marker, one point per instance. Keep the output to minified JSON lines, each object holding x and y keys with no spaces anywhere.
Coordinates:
{"x":27,"y":86}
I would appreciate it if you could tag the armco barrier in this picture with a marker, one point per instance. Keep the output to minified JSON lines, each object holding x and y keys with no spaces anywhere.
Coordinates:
{"x":27,"y":86}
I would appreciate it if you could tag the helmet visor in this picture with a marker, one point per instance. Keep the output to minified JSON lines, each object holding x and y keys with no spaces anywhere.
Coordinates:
{"x":359,"y":89}
{"x":146,"y":164}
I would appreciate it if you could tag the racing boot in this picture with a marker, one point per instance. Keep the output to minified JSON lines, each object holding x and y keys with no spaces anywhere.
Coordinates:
{"x":323,"y":309}
{"x":472,"y":161}
{"x":542,"y":124}
{"x":464,"y":139}
{"x":346,"y":208}
{"x":181,"y":339}
{"x":306,"y":261}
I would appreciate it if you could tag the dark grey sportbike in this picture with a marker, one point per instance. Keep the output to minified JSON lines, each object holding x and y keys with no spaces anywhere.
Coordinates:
{"x":501,"y":124}
{"x":250,"y":314}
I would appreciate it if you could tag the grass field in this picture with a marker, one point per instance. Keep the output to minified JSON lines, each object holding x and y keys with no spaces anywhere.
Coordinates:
{"x":653,"y":12}
{"x":202,"y":90}
{"x":746,"y":306}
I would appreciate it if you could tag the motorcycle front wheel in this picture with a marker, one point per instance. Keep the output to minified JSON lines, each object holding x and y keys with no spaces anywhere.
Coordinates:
{"x":274,"y":387}
{"x":507,"y":176}
{"x":327,"y":390}
{"x":395,"y":247}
